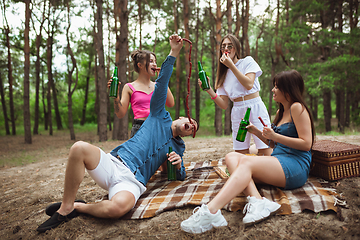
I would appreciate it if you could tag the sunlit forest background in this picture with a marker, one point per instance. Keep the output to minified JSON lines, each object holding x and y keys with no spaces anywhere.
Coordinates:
{"x":56,"y":57}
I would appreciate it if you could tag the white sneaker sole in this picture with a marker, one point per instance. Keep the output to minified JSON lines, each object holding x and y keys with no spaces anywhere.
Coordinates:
{"x":205,"y":228}
{"x":262,"y":219}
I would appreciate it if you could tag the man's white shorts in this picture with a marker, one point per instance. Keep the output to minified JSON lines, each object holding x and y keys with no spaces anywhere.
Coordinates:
{"x":112,"y":175}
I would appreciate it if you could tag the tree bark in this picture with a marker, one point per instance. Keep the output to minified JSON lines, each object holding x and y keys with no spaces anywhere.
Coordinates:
{"x":238,"y":19}
{"x":109,"y":106}
{"x":120,"y":130}
{"x":26,"y":109}
{"x":274,"y":61}
{"x":56,"y":107}
{"x":178,"y":68}
{"x":38,"y":42}
{"x":43,"y":97}
{"x":37,"y":84}
{"x":314,"y":107}
{"x":10,"y":76}
{"x":227,"y":118}
{"x":3,"y":103}
{"x":70,"y":78}
{"x":101,"y":74}
{"x":327,"y":109}
{"x":96,"y":106}
{"x":83,"y":115}
{"x":218,"y":110}
{"x":340,"y":97}
{"x":245,"y":28}
{"x":341,"y":110}
{"x":187,"y":52}
{"x":140,"y":22}
{"x":196,"y":59}
{"x":50,"y":80}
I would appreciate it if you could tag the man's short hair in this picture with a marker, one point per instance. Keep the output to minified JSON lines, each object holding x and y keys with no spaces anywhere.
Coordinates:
{"x":197,"y":124}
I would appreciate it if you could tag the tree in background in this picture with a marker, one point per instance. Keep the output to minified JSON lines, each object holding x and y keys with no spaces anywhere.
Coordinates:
{"x":178,"y":63}
{"x":121,"y":13}
{"x":227,"y":118}
{"x":70,"y":77}
{"x":10,"y":75}
{"x":101,"y":73}
{"x":26,"y":109}
{"x":196,"y":59}
{"x":217,"y":37}
{"x":3,"y":104}
{"x":318,"y":38}
{"x":38,"y":43}
{"x":186,"y":12}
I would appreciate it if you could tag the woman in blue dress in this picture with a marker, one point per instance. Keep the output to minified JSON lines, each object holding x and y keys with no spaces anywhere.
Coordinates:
{"x":291,"y":136}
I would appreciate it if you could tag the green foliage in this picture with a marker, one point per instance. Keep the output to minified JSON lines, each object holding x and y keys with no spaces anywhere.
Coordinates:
{"x":310,"y":42}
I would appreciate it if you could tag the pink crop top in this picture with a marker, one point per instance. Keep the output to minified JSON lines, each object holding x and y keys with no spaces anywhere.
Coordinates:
{"x":140,"y":102}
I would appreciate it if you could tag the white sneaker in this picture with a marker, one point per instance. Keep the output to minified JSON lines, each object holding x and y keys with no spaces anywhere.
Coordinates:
{"x":203,"y":220}
{"x":258,"y":209}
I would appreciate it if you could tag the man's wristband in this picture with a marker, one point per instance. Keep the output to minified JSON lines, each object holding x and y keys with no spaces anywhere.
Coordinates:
{"x":214,"y":97}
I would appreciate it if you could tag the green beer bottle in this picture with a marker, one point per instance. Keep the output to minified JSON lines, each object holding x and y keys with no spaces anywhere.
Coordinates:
{"x":114,"y":84}
{"x":242,"y":128}
{"x":171,"y":169}
{"x":203,"y":78}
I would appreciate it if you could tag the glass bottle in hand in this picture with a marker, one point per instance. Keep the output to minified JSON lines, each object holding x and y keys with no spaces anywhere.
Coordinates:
{"x":171,"y":169}
{"x":242,"y":128}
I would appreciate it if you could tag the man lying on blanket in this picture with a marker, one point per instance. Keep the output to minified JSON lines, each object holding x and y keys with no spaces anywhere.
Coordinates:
{"x":126,"y":170}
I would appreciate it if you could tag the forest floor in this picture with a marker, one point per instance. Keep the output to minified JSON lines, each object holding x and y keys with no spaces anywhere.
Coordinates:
{"x":27,"y":189}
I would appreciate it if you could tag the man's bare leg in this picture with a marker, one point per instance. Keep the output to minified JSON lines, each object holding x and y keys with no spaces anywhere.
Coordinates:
{"x":121,"y":203}
{"x":82,"y":155}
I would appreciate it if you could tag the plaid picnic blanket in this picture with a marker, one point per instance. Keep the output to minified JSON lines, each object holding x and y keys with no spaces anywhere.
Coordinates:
{"x":202,"y":183}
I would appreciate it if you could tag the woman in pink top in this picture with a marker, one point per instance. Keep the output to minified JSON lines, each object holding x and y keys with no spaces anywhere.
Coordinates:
{"x":139,"y":92}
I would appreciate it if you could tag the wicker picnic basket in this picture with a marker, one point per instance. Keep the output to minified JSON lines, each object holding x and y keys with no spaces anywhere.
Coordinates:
{"x":332,"y":160}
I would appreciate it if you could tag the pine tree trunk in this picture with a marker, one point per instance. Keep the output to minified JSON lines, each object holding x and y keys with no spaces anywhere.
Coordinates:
{"x":10,"y":76}
{"x":218,"y":110}
{"x":27,"y":123}
{"x":245,"y":28}
{"x":37,"y":85}
{"x":43,"y":97}
{"x":83,"y":116}
{"x":327,"y":109}
{"x":341,"y":111}
{"x":349,"y":97}
{"x":195,"y":77}
{"x":3,"y":104}
{"x":71,"y":84}
{"x":56,"y":107}
{"x":50,"y":81}
{"x":38,"y":42}
{"x":178,"y":68}
{"x":120,"y":130}
{"x":187,"y":52}
{"x":103,"y":97}
{"x":227,"y":118}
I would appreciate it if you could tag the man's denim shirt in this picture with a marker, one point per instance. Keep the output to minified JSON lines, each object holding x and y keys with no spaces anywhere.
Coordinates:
{"x":146,"y":150}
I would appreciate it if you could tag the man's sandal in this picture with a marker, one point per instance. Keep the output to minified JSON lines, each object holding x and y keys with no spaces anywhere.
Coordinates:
{"x":55,"y":220}
{"x":52,"y":208}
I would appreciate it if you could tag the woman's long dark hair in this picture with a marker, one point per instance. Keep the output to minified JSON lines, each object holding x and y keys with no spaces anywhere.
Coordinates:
{"x":222,"y":69}
{"x":291,"y":84}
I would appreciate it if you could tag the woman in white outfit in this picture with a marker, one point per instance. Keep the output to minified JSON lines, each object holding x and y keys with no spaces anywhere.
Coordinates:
{"x":237,"y":80}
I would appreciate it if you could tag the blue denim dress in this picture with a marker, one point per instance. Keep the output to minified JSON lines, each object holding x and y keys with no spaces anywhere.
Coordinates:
{"x":295,"y":163}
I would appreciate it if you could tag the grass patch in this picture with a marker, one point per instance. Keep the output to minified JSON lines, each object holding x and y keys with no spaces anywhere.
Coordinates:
{"x":21,"y":158}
